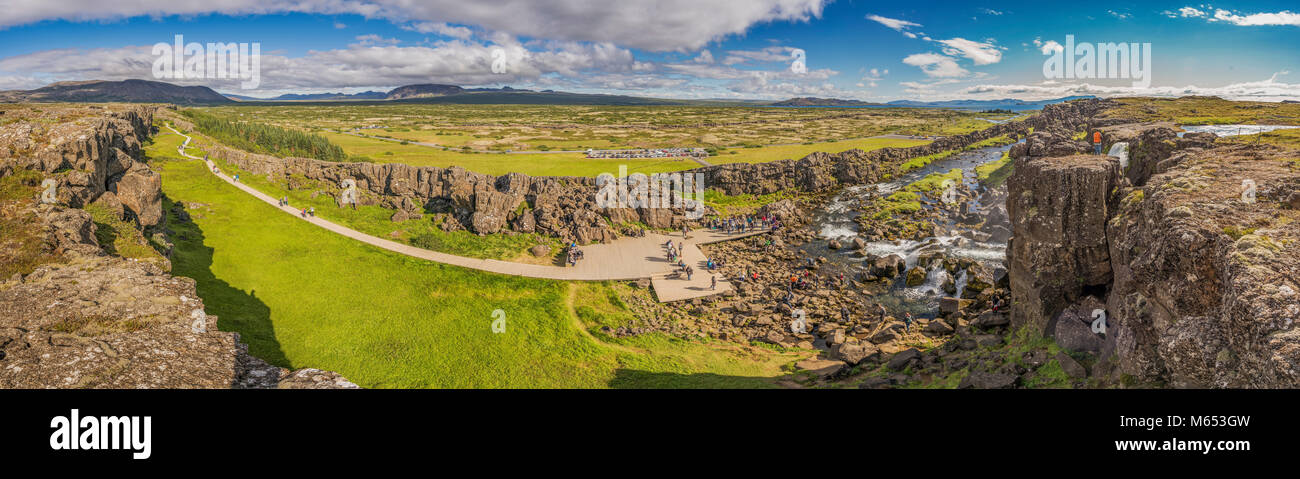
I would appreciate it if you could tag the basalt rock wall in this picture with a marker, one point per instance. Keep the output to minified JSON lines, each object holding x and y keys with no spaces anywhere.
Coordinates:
{"x":89,"y":156}
{"x":566,"y":207}
{"x":1198,"y":287}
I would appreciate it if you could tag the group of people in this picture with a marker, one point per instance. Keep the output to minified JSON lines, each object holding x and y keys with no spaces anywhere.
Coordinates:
{"x":649,"y":153}
{"x":744,"y":223}
{"x":306,"y":212}
{"x":574,"y":254}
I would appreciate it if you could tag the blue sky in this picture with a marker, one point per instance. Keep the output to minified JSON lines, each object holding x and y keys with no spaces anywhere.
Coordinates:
{"x":669,"y":48}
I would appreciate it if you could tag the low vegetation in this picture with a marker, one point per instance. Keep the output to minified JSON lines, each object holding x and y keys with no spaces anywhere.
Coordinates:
{"x":22,"y":246}
{"x":921,"y":161}
{"x":268,"y":139}
{"x":1201,"y":110}
{"x":301,"y":296}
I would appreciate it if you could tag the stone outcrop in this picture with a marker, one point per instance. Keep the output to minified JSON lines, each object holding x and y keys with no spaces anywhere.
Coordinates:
{"x":1198,"y":287}
{"x":92,"y":320}
{"x":89,"y":151}
{"x":87,"y":319}
{"x":1059,"y":208}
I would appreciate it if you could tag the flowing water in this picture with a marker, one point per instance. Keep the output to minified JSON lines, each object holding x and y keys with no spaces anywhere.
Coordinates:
{"x":954,"y":240}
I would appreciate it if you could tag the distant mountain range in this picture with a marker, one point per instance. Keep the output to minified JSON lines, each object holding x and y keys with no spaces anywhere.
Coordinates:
{"x":365,"y":95}
{"x":1002,"y":104}
{"x":146,"y":91}
{"x":126,"y":91}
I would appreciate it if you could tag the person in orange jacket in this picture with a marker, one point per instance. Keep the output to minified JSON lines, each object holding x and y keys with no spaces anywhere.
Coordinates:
{"x":1096,"y":141}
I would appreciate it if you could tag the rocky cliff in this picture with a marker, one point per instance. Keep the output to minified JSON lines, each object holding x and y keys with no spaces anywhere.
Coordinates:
{"x":80,"y":317}
{"x":91,"y":152}
{"x":566,"y":207}
{"x":1198,"y":286}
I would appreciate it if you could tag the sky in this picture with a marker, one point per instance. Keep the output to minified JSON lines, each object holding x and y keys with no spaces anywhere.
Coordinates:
{"x":690,"y":49}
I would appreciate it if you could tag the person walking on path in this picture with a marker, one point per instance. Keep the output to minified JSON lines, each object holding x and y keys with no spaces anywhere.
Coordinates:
{"x":1096,"y":141}
{"x":907,"y":322}
{"x":880,"y":308}
{"x":713,"y":283}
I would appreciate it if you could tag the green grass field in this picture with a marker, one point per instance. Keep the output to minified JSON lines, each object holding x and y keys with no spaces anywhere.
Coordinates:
{"x":786,"y":152}
{"x":303,"y":297}
{"x":539,"y":164}
{"x":575,"y":164}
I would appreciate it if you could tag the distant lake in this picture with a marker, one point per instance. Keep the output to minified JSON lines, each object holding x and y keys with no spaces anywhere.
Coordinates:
{"x":1233,"y":130}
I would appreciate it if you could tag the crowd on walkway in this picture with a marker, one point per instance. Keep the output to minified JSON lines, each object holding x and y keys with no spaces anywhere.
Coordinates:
{"x":572,"y":254}
{"x":743,"y":223}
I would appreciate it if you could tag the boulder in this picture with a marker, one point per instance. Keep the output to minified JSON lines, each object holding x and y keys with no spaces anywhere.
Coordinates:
{"x":953,"y":305}
{"x":903,"y":359}
{"x":938,"y":327}
{"x":1071,"y":367}
{"x":855,"y":353}
{"x":821,"y":367}
{"x":540,"y":251}
{"x":888,"y":266}
{"x":915,"y":276}
{"x":140,"y":191}
{"x":990,"y":319}
{"x":983,"y":380}
{"x":1073,"y":327}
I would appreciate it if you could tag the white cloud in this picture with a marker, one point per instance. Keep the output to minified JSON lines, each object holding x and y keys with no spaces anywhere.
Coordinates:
{"x":936,"y":65}
{"x":656,"y":25}
{"x":1187,"y":12}
{"x":1049,"y":47}
{"x":767,"y":55}
{"x":340,"y":25}
{"x":1120,"y":15}
{"x":373,"y":39}
{"x":981,"y":53}
{"x":704,"y":57}
{"x":1259,"y":19}
{"x":896,"y":24}
{"x":441,"y":28}
{"x":991,"y":11}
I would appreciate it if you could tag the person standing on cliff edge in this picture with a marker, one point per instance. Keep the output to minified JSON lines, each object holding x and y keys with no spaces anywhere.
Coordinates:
{"x":1096,"y":141}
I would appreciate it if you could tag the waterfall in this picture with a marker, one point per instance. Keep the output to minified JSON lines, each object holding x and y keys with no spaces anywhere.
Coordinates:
{"x":1120,"y":150}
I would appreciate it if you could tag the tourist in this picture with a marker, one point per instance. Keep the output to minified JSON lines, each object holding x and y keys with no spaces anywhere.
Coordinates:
{"x":689,"y":272}
{"x":1096,"y":141}
{"x":311,"y":211}
{"x":907,"y":322}
{"x":713,"y":283}
{"x":997,"y":303}
{"x":880,"y":308}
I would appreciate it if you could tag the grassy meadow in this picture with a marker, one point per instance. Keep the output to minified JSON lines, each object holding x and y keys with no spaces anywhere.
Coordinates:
{"x":478,"y":137}
{"x":301,"y":296}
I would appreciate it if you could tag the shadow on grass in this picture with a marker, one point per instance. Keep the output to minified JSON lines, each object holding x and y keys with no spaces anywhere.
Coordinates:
{"x":236,"y":310}
{"x":632,"y":379}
